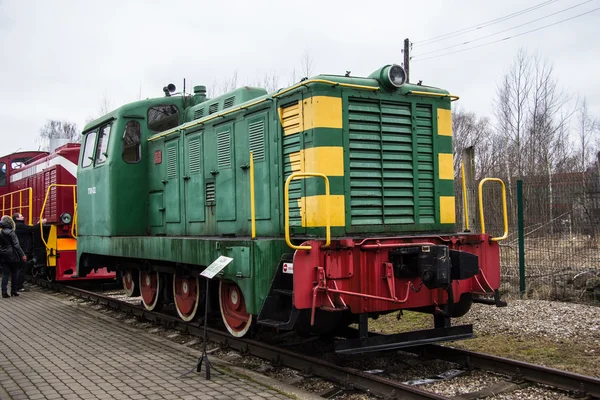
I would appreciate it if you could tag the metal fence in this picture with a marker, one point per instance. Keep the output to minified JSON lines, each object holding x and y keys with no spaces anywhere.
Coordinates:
{"x":560,"y":235}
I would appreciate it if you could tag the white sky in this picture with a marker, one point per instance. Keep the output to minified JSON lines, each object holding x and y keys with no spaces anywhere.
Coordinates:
{"x":60,"y":58}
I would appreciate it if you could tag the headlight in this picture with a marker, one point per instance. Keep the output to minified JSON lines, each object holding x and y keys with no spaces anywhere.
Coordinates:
{"x":397,"y":75}
{"x":66,"y":218}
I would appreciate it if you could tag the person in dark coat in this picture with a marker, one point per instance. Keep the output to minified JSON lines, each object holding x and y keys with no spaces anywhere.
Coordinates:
{"x":11,"y":256}
{"x":25,"y":234}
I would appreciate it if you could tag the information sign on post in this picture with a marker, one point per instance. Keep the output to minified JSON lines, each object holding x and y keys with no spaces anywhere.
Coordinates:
{"x":216,"y":267}
{"x":209,"y":273}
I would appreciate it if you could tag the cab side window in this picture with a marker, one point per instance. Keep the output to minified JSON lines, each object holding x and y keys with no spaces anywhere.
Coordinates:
{"x":2,"y":174}
{"x":88,"y":149}
{"x":132,"y":142}
{"x":163,"y":117}
{"x":102,"y":148}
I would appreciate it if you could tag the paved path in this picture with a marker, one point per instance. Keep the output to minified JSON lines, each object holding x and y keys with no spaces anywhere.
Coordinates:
{"x":51,"y":350}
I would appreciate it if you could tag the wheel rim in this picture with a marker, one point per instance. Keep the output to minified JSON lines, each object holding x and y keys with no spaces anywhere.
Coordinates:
{"x":34,"y":272}
{"x":50,"y":274}
{"x":233,"y":309}
{"x":150,"y":289}
{"x":129,"y":283}
{"x":186,"y":294}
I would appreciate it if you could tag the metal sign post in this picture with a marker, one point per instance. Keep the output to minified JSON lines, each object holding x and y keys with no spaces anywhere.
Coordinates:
{"x":209,"y":273}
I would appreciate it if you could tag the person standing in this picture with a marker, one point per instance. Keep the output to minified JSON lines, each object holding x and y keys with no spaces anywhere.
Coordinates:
{"x":25,"y":234}
{"x":11,"y":256}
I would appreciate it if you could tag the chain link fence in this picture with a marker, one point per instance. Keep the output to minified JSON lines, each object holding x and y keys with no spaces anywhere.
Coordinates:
{"x":561,"y":234}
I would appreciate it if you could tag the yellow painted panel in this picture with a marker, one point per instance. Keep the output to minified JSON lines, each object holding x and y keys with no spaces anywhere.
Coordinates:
{"x":446,"y":166}
{"x":324,"y":160}
{"x":444,"y":122}
{"x":313,"y":211}
{"x":297,"y":161}
{"x":65,"y":244}
{"x":447,"y":210}
{"x":290,"y":118}
{"x":51,"y":247}
{"x":322,"y":112}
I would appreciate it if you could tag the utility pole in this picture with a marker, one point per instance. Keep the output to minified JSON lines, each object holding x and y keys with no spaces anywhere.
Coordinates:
{"x":406,"y":57}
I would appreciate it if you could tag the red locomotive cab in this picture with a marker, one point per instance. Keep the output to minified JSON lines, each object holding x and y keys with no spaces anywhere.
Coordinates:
{"x":42,"y":187}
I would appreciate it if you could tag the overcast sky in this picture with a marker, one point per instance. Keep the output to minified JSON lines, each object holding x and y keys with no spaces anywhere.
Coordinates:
{"x":59,"y":59}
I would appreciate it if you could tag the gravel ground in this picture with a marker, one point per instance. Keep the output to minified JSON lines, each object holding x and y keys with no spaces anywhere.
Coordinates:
{"x":551,"y":320}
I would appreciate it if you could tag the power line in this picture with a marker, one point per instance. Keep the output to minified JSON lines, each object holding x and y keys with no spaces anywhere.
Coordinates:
{"x":510,"y":37}
{"x":505,"y":30}
{"x":483,"y":24}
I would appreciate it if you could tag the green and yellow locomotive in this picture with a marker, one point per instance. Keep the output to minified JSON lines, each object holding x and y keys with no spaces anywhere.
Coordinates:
{"x":334,"y":197}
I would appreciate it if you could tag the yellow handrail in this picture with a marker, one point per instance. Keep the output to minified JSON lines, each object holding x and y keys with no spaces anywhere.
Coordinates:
{"x":44,"y":207}
{"x":504,"y":212}
{"x":20,"y":206}
{"x":252,"y":204}
{"x":452,"y":96}
{"x":302,"y":175}
{"x":464,"y":188}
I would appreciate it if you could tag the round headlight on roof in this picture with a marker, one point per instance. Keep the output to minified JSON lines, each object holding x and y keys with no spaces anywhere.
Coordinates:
{"x":396,"y":75}
{"x":66,"y":218}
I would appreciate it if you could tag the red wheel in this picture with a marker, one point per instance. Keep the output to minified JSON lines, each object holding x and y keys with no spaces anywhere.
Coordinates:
{"x":132,"y":289}
{"x":150,"y":289}
{"x":186,"y":294}
{"x":233,"y":309}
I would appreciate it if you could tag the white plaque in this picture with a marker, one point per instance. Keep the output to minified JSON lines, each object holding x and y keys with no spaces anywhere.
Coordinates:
{"x":216,"y":267}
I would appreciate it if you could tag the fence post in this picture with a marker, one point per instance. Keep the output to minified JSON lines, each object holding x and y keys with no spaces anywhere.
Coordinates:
{"x":521,"y":224}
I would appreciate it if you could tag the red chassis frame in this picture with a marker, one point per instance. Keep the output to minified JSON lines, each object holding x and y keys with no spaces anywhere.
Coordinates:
{"x":358,"y":274}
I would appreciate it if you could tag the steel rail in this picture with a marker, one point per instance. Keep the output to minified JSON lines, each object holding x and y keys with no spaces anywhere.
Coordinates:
{"x":347,"y":378}
{"x":564,"y":380}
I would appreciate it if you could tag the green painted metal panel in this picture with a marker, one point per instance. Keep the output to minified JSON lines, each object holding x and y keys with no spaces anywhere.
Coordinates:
{"x":194,"y":177}
{"x":240,"y":267}
{"x":156,"y":210}
{"x":257,"y":127}
{"x":225,"y":178}
{"x":172,"y":195}
{"x":425,"y":166}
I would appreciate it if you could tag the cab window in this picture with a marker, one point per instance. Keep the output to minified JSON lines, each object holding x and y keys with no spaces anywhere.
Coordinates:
{"x":132,"y":142}
{"x":102,"y":148}
{"x":2,"y":174}
{"x":163,"y":117}
{"x":88,"y":149}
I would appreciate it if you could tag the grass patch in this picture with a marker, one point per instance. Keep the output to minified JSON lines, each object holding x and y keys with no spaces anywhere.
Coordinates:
{"x":410,"y":321}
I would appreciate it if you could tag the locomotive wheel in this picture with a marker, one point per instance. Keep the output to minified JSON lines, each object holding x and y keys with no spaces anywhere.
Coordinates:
{"x":132,"y":288}
{"x":50,"y":274}
{"x":150,"y":288}
{"x":186,"y":295}
{"x":233,"y":309}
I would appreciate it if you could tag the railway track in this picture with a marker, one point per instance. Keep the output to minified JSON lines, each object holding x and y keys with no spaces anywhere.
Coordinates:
{"x":350,"y":378}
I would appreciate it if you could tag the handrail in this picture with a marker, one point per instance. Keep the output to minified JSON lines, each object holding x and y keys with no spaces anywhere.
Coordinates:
{"x":44,"y":207}
{"x":464,"y":188}
{"x":418,"y":93}
{"x":286,"y":206}
{"x":504,"y":212}
{"x":20,"y":206}
{"x":252,"y":203}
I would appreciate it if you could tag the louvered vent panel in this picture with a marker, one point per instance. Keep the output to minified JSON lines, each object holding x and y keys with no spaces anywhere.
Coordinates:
{"x":256,"y":131}
{"x":381,"y":173}
{"x":213,"y":108}
{"x":194,"y":156}
{"x":426,"y":176}
{"x":293,"y":163}
{"x":223,"y":150}
{"x":199,"y":113}
{"x":171,"y":162}
{"x":210,"y":192}
{"x":229,"y":102}
{"x":290,"y":119}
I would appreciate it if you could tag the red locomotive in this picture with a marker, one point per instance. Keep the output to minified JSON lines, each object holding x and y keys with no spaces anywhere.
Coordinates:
{"x":42,"y":186}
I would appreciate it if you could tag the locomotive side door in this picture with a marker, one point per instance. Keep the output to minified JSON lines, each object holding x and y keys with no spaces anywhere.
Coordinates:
{"x":172,"y":189}
{"x":193,"y":182}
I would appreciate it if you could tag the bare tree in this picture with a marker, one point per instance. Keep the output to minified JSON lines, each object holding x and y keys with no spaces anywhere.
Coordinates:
{"x":106,"y":105}
{"x":269,"y":82}
{"x":586,"y":129}
{"x":58,"y":130}
{"x":471,"y":131}
{"x":306,"y":64}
